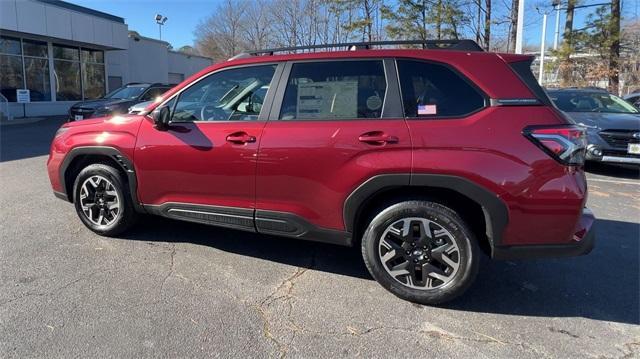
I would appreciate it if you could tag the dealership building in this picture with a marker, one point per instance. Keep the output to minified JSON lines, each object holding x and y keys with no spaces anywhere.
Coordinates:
{"x":64,"y":53}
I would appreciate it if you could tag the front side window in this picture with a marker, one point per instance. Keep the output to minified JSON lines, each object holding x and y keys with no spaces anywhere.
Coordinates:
{"x":228,"y":95}
{"x":334,"y":90}
{"x":433,"y":90}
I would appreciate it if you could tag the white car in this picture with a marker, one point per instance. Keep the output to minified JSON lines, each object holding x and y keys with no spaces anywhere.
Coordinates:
{"x":138,"y":108}
{"x":633,"y":98}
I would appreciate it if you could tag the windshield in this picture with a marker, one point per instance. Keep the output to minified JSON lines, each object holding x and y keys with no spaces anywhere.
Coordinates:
{"x":127,"y":92}
{"x":582,"y":101}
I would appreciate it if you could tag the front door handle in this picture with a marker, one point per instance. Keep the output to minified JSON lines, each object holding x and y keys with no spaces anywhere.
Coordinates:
{"x":377,"y":138}
{"x":240,"y":137}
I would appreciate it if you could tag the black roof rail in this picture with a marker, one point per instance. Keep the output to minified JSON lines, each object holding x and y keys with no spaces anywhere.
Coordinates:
{"x":461,"y":45}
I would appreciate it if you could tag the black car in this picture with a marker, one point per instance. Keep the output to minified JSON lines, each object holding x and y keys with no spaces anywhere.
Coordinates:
{"x":613,"y":125}
{"x":118,"y":101}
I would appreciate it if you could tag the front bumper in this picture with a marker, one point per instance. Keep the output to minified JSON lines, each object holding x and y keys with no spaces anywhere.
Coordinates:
{"x":582,"y":243}
{"x":616,"y":159}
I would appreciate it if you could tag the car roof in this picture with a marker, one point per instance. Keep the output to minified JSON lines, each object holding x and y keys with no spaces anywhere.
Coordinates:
{"x":577,"y":90}
{"x":156,"y":84}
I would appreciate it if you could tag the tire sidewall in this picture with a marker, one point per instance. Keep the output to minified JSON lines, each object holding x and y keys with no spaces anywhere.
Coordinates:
{"x":444,"y":217}
{"x":115,"y":178}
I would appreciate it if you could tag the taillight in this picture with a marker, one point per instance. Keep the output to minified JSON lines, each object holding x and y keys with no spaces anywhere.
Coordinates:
{"x":565,"y":143}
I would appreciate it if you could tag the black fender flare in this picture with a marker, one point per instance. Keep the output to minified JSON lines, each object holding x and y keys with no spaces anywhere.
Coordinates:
{"x":496,"y":214}
{"x":123,"y":161}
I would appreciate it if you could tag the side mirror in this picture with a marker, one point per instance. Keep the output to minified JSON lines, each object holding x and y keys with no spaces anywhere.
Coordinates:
{"x":161,"y":117}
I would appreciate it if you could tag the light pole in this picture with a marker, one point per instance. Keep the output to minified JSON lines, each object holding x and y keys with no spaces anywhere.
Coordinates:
{"x":556,"y":35}
{"x":520,"y":27}
{"x":544,"y":13}
{"x":160,"y":20}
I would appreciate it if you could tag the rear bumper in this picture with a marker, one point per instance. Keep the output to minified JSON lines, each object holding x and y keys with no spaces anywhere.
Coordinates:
{"x":582,"y":243}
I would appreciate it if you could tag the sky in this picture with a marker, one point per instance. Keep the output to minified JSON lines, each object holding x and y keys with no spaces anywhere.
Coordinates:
{"x":184,"y":16}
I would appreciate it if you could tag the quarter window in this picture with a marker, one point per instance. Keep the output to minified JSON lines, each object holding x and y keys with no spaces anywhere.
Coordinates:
{"x":334,"y":90}
{"x":228,"y":95}
{"x":432,"y":90}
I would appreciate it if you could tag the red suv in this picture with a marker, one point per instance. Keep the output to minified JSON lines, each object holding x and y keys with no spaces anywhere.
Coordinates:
{"x":426,"y":158}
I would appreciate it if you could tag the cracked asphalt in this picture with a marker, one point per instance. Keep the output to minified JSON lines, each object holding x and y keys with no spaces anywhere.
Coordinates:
{"x":173,"y":289}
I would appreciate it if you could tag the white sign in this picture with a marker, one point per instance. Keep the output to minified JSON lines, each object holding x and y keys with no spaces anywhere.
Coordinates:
{"x":23,"y":96}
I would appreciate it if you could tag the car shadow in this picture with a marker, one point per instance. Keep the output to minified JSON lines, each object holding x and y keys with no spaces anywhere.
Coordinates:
{"x":603,"y":285}
{"x":619,"y":171}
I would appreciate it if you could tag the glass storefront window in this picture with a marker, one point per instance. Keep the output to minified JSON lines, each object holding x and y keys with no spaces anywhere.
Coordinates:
{"x":10,"y":76}
{"x":94,"y":56}
{"x":66,"y":53}
{"x":93,"y":80}
{"x":67,"y":80}
{"x":77,"y":73}
{"x":93,"y":74}
{"x":35,"y":48}
{"x":37,"y":78}
{"x":10,"y":46}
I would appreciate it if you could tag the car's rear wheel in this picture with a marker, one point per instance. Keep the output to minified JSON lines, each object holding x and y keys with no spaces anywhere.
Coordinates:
{"x":421,"y":251}
{"x":102,"y":200}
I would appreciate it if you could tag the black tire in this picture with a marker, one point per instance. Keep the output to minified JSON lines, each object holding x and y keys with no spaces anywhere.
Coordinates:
{"x":126,"y":216}
{"x":437,"y":216}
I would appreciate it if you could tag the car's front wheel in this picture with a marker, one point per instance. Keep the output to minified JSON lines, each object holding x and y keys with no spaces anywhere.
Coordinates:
{"x":421,"y":251}
{"x":102,"y":200}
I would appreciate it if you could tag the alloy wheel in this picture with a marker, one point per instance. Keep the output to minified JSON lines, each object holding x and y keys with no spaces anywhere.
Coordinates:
{"x":99,"y":200}
{"x":419,"y":253}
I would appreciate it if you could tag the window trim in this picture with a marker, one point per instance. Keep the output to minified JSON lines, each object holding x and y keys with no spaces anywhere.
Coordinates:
{"x":390,"y":103}
{"x":268,"y":101}
{"x":485,"y":97}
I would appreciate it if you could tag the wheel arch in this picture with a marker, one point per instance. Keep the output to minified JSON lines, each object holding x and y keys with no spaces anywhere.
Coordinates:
{"x":80,"y":157}
{"x":469,"y":199}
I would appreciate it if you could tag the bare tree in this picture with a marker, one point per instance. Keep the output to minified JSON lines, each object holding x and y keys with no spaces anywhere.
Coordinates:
{"x":257,"y":29}
{"x":487,"y":25}
{"x":220,"y":36}
{"x":513,"y":26}
{"x":566,"y":50}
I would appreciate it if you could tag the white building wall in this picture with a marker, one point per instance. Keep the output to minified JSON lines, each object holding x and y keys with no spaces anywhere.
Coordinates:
{"x":186,"y":65}
{"x":39,"y":18}
{"x":149,"y":60}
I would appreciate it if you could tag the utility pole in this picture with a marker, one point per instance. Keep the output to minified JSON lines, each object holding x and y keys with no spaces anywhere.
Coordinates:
{"x":556,"y":35}
{"x":544,"y":13}
{"x":520,"y":27}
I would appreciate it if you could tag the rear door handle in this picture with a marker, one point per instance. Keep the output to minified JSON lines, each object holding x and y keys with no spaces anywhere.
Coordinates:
{"x":240,"y":137}
{"x":377,"y":138}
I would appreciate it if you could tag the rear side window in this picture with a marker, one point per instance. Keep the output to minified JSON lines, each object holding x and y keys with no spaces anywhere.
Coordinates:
{"x":432,"y":90}
{"x":334,"y":90}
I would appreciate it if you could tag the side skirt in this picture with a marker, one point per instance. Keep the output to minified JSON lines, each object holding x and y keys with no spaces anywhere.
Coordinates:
{"x":258,"y":221}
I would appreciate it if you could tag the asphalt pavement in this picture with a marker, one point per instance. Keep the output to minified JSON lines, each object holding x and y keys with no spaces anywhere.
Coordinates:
{"x":174,"y":289}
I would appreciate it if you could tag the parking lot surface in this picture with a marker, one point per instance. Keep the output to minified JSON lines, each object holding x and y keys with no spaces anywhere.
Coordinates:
{"x":173,"y":289}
